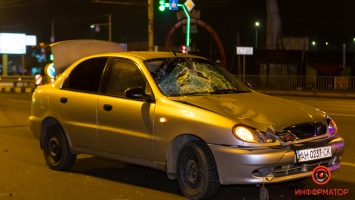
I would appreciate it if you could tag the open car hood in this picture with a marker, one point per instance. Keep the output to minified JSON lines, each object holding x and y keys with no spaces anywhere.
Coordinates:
{"x":67,"y":52}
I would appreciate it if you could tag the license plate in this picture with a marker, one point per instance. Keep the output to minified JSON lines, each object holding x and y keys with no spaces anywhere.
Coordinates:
{"x":313,"y":153}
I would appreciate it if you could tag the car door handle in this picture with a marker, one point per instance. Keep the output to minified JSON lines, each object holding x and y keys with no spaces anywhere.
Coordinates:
{"x":63,"y":99}
{"x":107,"y":107}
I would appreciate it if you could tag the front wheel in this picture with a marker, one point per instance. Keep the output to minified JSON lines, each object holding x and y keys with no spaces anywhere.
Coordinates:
{"x":196,"y":171}
{"x":56,"y":149}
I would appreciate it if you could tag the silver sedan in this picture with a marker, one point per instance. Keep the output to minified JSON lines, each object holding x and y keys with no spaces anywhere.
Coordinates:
{"x":184,"y":115}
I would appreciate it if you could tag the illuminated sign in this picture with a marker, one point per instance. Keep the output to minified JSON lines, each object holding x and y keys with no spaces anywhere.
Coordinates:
{"x":244,"y":50}
{"x":174,"y":4}
{"x":50,"y":70}
{"x":31,"y":40}
{"x":189,"y":5}
{"x":12,"y":43}
{"x":15,"y":43}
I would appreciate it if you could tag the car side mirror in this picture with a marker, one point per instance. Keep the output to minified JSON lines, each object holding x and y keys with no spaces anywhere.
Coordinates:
{"x":136,"y":93}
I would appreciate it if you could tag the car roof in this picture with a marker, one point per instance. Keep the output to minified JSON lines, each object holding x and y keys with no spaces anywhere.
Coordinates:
{"x":147,"y":55}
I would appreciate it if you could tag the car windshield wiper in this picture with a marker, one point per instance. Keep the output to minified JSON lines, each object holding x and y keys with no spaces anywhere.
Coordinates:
{"x":226,"y":91}
{"x":197,"y":93}
{"x":223,"y":91}
{"x":191,"y":93}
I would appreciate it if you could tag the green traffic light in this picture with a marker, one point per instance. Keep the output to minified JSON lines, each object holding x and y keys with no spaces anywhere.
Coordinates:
{"x":162,"y":5}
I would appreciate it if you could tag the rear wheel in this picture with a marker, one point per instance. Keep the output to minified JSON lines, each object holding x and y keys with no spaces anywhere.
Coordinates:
{"x":56,"y":149}
{"x":196,"y":171}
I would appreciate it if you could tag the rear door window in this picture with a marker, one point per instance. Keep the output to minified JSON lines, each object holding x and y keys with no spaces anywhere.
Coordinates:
{"x":86,"y":76}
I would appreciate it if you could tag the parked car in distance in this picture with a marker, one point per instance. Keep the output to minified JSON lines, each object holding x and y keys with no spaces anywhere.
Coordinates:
{"x":181,"y":114}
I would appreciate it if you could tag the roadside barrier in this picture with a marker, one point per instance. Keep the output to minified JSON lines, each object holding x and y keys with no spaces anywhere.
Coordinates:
{"x":17,"y":84}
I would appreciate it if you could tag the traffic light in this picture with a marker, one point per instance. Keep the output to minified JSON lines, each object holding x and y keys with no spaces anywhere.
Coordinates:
{"x":161,"y":5}
{"x":183,"y":49}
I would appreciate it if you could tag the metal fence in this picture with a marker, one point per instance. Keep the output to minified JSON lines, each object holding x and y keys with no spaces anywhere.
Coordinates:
{"x":311,"y":84}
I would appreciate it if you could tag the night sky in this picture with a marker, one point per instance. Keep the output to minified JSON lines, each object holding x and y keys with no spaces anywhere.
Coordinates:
{"x":324,"y":21}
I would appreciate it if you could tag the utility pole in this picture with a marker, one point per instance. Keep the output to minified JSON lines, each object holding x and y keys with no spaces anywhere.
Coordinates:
{"x":52,"y":39}
{"x":109,"y":28}
{"x":150,"y":25}
{"x":150,"y":18}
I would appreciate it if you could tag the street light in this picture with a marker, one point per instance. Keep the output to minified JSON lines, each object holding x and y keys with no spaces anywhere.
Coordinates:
{"x":109,"y":24}
{"x":257,"y":24}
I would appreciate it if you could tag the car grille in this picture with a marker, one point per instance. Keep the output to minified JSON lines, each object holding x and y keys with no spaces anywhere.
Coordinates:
{"x":299,"y":168}
{"x":302,"y":131}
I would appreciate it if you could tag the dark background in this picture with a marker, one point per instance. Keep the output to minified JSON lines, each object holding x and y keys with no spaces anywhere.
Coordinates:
{"x":324,"y":21}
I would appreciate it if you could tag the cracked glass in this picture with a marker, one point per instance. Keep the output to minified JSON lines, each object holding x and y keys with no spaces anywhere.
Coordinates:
{"x":193,"y":76}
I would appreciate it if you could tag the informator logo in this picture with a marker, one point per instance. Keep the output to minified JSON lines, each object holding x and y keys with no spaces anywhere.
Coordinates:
{"x":321,"y":175}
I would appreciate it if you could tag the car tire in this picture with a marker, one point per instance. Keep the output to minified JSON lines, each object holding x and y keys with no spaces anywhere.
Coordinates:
{"x":56,"y":149}
{"x":196,"y":171}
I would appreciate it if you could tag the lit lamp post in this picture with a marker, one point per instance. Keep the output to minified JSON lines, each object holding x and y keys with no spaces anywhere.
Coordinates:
{"x":257,"y":24}
{"x":97,"y":27}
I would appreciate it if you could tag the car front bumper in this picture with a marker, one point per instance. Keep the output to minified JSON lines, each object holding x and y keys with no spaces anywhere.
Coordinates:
{"x":248,"y":166}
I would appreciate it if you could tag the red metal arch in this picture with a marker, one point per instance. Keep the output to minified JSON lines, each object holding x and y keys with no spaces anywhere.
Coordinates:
{"x":205,"y":26}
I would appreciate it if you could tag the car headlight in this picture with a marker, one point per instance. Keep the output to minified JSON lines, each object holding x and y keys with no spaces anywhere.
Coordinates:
{"x":250,"y":134}
{"x":332,"y":127}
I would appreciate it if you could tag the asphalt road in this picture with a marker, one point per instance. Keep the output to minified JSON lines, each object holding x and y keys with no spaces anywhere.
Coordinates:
{"x":24,"y":174}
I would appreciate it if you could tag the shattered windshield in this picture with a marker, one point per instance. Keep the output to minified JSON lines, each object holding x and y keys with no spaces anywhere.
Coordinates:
{"x":193,"y":76}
